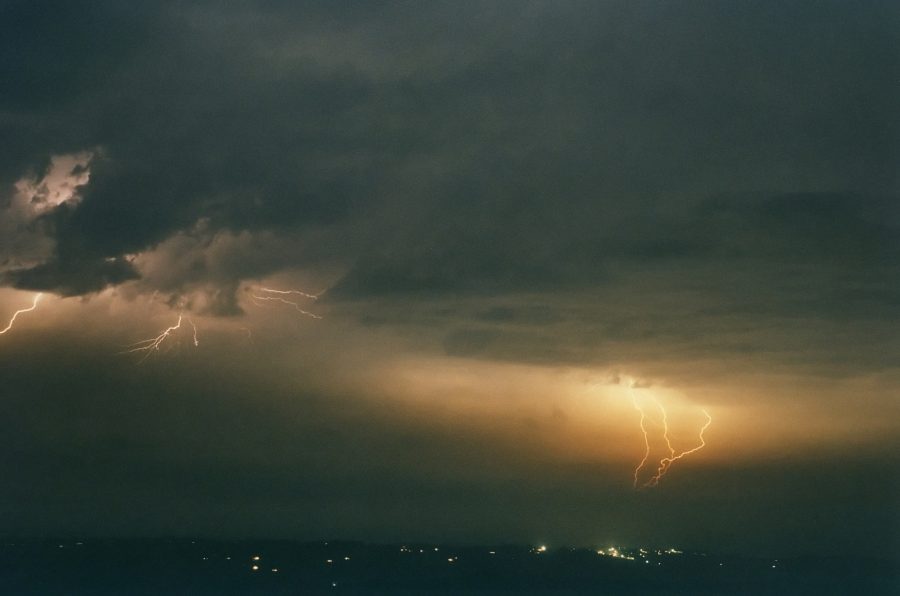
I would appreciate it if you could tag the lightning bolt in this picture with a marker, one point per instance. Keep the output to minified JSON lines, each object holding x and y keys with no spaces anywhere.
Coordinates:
{"x":280,"y":297}
{"x":33,"y":306}
{"x":641,"y":465}
{"x":666,"y":462}
{"x":152,"y":345}
{"x":662,"y":463}
{"x":196,"y":341}
{"x":288,"y":292}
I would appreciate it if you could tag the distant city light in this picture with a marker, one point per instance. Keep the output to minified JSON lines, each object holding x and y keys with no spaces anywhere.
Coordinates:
{"x":616,"y":553}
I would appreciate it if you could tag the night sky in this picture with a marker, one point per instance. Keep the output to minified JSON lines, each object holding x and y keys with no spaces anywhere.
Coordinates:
{"x":528,"y":226}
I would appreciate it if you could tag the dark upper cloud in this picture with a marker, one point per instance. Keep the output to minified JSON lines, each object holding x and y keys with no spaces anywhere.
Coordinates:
{"x":798,"y":282}
{"x":842,"y":245}
{"x":72,"y":278}
{"x":491,"y":146}
{"x":215,"y":137}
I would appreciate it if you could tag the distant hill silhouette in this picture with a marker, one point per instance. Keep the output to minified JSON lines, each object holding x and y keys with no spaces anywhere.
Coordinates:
{"x":184,"y":566}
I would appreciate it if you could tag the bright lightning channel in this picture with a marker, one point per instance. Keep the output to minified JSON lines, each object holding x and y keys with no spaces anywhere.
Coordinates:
{"x":661,"y":469}
{"x":640,"y":466}
{"x":12,"y":321}
{"x":196,"y":341}
{"x":152,"y":345}
{"x":288,"y":292}
{"x":666,"y":462}
{"x":280,"y":297}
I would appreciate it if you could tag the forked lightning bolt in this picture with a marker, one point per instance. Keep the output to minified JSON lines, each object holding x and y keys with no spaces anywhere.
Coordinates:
{"x":280,"y":297}
{"x":33,"y":306}
{"x":152,"y":345}
{"x":665,"y":462}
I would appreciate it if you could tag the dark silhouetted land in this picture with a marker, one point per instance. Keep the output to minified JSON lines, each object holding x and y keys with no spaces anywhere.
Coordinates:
{"x":184,"y":566}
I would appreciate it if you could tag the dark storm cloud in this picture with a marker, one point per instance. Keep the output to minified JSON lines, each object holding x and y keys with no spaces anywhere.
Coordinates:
{"x":606,"y":144}
{"x":72,"y":277}
{"x":797,"y":281}
{"x":492,"y":145}
{"x":185,"y":127}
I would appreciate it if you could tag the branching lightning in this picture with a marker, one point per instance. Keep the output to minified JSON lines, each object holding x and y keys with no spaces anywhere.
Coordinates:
{"x":280,"y":297}
{"x":665,"y":462}
{"x":34,"y":303}
{"x":152,"y":345}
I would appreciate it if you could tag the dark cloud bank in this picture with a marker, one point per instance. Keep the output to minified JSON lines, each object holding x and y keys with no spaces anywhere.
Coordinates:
{"x":491,"y":147}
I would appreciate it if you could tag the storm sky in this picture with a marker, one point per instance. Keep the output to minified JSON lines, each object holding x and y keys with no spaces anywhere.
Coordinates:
{"x":522,"y":220}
